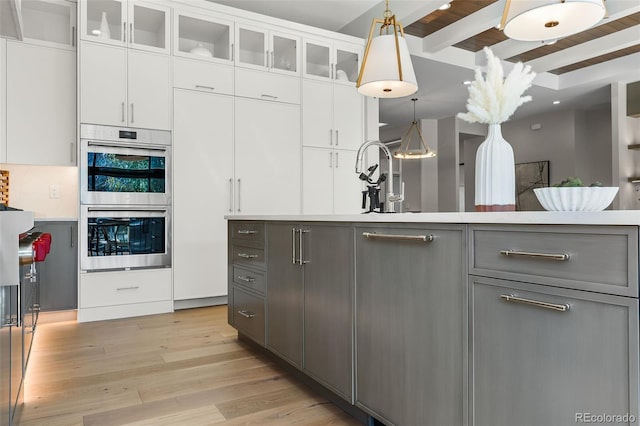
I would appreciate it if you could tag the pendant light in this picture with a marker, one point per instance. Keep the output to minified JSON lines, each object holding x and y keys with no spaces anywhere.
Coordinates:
{"x":422,"y":150}
{"x":387,"y":71}
{"x":543,"y":20}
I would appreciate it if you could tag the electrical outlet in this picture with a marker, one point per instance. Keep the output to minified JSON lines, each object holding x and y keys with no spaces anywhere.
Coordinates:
{"x":54,"y":191}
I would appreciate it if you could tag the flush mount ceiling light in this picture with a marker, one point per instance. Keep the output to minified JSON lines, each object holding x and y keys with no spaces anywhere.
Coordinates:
{"x":387,"y":71}
{"x":540,"y":20}
{"x":422,"y":151}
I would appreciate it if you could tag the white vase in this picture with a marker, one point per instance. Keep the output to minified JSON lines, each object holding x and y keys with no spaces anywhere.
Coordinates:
{"x":495,"y":173}
{"x":105,"y":32}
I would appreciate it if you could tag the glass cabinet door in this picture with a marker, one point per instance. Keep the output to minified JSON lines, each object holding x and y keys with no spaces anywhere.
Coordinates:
{"x":49,"y":22}
{"x":202,"y":37}
{"x":148,"y":27}
{"x":317,"y":60}
{"x":103,"y":21}
{"x":346,"y":64}
{"x":252,"y":47}
{"x":284,"y":53}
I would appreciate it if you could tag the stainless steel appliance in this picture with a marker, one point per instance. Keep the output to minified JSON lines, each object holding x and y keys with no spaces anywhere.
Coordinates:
{"x":124,"y":166}
{"x":125,"y":237}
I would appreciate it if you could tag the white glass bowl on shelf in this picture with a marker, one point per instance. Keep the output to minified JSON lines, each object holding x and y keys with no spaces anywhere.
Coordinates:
{"x":573,"y":199}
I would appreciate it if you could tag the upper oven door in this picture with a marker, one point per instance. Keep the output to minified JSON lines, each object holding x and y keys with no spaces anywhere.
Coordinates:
{"x":124,"y":173}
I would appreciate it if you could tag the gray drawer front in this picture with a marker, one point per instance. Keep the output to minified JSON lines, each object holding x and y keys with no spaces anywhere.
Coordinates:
{"x":249,"y":279}
{"x":248,"y":231}
{"x":603,"y":259}
{"x":249,"y":256}
{"x":248,"y":315}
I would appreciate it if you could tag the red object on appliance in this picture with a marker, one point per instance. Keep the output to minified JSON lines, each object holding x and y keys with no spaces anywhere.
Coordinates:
{"x":42,"y":247}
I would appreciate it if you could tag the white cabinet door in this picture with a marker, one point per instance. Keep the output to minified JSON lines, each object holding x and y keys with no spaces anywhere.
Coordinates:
{"x":203,"y":37}
{"x":267,"y":157}
{"x":149,"y":26}
{"x":348,"y":117}
{"x":103,"y":21}
{"x":347,"y":188}
{"x":203,"y":165}
{"x":50,"y":23}
{"x":317,"y":113}
{"x":252,"y":47}
{"x":103,"y":83}
{"x":317,"y":180}
{"x":41,"y":95}
{"x":148,"y":89}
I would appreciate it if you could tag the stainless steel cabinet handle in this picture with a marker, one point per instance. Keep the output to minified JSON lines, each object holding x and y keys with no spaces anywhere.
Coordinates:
{"x":124,"y":32}
{"x":247,"y":231}
{"x":134,"y":287}
{"x":230,"y":195}
{"x":199,"y":86}
{"x":337,"y":138}
{"x":264,"y":95}
{"x":330,"y":161}
{"x":246,"y":314}
{"x":239,"y":194}
{"x":266,"y":57}
{"x":72,"y":148}
{"x":247,"y":255}
{"x":537,"y":303}
{"x":550,"y":256}
{"x":131,"y":33}
{"x":73,"y":36}
{"x":330,"y":137}
{"x":123,"y":111}
{"x":246,"y":279}
{"x":423,"y":238}
{"x":71,"y":236}
{"x":232,"y":51}
{"x":273,"y":59}
{"x":337,"y":158}
{"x":293,"y":245}
{"x":132,"y":112}
{"x":301,"y":260}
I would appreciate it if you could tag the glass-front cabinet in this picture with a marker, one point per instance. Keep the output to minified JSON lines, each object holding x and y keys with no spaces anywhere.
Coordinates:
{"x":49,"y":22}
{"x":202,"y":37}
{"x":133,"y":24}
{"x":327,"y":61}
{"x":263,"y":49}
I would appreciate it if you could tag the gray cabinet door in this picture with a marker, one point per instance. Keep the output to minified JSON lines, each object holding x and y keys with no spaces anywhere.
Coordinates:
{"x":284,"y":293}
{"x":410,"y":343}
{"x":533,"y":366}
{"x":328,"y":309}
{"x":58,"y":274}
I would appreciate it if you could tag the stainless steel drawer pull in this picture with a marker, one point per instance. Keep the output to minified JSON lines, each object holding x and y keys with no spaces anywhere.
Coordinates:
{"x":247,"y":255}
{"x":135,"y":287}
{"x":246,"y":279}
{"x":247,"y":231}
{"x":199,"y":86}
{"x":423,"y":238}
{"x":264,"y":95}
{"x":550,"y":256}
{"x":538,"y":303}
{"x":246,"y":314}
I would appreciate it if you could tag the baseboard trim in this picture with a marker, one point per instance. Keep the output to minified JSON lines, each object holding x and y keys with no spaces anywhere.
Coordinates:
{"x":48,"y":317}
{"x":199,"y":303}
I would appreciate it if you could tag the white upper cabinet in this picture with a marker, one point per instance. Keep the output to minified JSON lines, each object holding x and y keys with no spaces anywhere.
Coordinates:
{"x":267,"y":50}
{"x":201,"y":36}
{"x":339,"y":62}
{"x":49,"y":23}
{"x":132,"y":23}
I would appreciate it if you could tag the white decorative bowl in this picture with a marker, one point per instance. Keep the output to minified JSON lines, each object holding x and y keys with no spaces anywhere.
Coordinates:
{"x":201,"y":50}
{"x":574,"y":199}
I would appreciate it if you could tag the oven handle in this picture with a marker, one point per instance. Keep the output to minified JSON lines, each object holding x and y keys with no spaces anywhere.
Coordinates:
{"x":137,"y":209}
{"x":128,"y":145}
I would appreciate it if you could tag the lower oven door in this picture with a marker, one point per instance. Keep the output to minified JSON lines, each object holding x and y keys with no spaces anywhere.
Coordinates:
{"x":124,"y":238}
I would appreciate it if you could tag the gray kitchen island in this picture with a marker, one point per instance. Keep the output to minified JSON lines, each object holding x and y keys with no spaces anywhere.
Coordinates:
{"x":487,"y":319}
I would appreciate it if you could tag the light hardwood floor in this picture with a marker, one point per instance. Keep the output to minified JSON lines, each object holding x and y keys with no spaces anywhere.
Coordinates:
{"x":185,"y":368}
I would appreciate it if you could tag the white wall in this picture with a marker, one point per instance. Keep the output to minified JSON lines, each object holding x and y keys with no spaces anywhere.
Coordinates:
{"x":29,"y":190}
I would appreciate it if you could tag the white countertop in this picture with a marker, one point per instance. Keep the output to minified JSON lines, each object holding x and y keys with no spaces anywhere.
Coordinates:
{"x":607,"y":217}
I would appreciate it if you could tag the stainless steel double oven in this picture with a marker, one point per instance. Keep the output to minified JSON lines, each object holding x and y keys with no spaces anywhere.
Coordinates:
{"x":125,"y":198}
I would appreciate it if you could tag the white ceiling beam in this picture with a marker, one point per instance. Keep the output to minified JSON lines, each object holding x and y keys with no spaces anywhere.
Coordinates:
{"x":623,"y":69}
{"x":590,"y":49}
{"x":406,"y":11}
{"x":464,"y":28}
